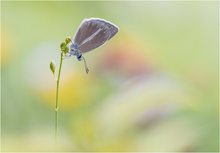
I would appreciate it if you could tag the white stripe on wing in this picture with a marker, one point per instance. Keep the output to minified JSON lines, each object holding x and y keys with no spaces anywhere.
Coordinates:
{"x":90,"y":37}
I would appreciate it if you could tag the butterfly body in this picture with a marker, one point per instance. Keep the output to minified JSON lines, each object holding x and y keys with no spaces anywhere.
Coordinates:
{"x":75,"y":51}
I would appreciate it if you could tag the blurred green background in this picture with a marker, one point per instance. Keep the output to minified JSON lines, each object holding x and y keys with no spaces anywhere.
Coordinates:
{"x":153,"y":87}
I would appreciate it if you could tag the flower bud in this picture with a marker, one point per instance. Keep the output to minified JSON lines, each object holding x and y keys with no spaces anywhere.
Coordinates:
{"x":62,"y":46}
{"x":52,"y":67}
{"x":68,"y":40}
{"x":66,"y":50}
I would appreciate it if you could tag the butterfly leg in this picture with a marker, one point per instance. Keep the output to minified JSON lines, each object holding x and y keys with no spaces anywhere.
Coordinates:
{"x":86,"y":68}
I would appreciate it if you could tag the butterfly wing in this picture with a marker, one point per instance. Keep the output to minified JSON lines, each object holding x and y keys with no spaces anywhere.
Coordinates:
{"x":93,"y":33}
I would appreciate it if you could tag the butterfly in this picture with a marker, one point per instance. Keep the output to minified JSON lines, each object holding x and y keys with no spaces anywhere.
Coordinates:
{"x":91,"y":34}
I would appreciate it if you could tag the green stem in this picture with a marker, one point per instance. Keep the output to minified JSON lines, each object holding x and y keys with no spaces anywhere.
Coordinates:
{"x":57,"y":93}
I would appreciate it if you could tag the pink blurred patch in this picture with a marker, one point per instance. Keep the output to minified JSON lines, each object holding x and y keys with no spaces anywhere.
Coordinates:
{"x":124,"y":61}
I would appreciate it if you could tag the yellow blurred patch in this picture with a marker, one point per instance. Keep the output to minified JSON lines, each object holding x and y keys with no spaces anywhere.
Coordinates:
{"x":75,"y":91}
{"x":6,"y":46}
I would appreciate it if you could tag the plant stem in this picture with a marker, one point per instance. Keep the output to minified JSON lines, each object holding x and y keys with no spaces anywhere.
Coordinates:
{"x":57,"y":93}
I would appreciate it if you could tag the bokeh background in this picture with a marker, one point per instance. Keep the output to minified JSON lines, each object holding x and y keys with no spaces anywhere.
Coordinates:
{"x":153,"y":87}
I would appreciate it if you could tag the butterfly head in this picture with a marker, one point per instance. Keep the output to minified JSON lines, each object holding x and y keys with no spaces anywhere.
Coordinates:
{"x":74,"y":51}
{"x":73,"y":48}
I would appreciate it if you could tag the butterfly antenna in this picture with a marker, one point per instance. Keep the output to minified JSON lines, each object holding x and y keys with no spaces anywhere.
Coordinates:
{"x":86,"y":68}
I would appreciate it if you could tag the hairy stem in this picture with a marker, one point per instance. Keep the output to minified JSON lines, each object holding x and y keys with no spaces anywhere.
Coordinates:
{"x":57,"y":96}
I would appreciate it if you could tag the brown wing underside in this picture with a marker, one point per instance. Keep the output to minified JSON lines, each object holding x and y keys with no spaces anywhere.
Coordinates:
{"x":93,"y":33}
